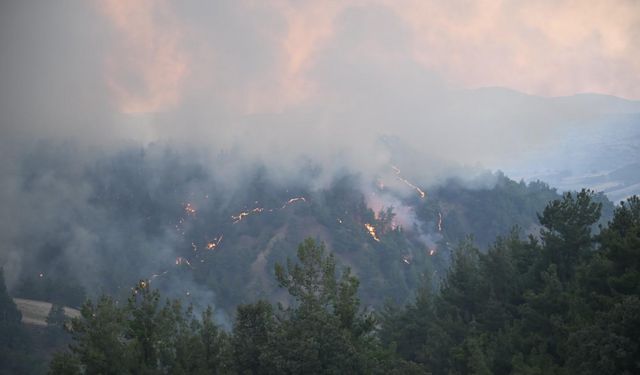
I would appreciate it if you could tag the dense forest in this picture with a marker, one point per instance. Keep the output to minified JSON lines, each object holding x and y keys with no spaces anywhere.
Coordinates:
{"x":319,"y":187}
{"x":562,"y":302}
{"x":156,"y":214}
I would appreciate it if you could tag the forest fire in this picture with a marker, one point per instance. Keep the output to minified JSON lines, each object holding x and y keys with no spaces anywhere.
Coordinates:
{"x":238,"y":218}
{"x":293,"y":200}
{"x":439,"y":222}
{"x":189,"y":209}
{"x":372,"y":231}
{"x":408,"y":183}
{"x":211,"y":245}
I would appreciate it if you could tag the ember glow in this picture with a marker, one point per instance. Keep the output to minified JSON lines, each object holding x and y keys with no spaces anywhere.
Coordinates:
{"x":189,"y":209}
{"x":211,"y":245}
{"x":293,"y":200}
{"x":238,"y":218}
{"x":372,"y":231}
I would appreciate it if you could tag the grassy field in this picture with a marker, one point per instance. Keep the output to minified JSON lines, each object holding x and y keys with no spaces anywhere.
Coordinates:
{"x":35,"y":312}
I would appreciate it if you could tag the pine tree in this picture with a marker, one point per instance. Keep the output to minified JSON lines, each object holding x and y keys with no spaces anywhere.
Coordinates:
{"x":14,"y":341}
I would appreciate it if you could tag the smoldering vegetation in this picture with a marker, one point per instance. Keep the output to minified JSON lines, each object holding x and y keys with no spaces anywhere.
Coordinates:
{"x":210,"y":233}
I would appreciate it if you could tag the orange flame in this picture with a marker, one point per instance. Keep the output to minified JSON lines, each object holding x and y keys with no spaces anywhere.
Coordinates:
{"x":214,"y":244}
{"x":372,"y":231}
{"x":237,"y":218}
{"x":292,"y":200}
{"x":189,"y":209}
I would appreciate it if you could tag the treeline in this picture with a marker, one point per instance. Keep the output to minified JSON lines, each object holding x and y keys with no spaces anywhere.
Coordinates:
{"x":322,"y":331}
{"x":564,"y":302}
{"x":27,"y":349}
{"x":130,"y":222}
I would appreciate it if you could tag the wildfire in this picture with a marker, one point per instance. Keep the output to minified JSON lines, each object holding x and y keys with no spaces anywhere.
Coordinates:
{"x":372,"y":231}
{"x":291,"y":201}
{"x":238,"y":218}
{"x":432,"y":252}
{"x":406,"y":260}
{"x":408,"y":183}
{"x":214,"y":244}
{"x":189,"y":209}
{"x":439,"y":222}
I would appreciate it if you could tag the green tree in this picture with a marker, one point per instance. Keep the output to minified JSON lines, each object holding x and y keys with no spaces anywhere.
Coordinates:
{"x":323,"y":331}
{"x":610,"y":345}
{"x":252,"y":331}
{"x":56,"y":321}
{"x":15,"y":344}
{"x":56,"y":316}
{"x":142,"y":336}
{"x":99,"y":341}
{"x":567,"y":230}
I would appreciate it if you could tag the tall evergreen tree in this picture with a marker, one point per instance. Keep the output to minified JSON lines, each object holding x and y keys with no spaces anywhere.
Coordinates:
{"x":14,"y":341}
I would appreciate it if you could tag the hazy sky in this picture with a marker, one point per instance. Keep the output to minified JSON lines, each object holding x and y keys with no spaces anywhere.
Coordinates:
{"x":546,"y":48}
{"x":324,"y":78}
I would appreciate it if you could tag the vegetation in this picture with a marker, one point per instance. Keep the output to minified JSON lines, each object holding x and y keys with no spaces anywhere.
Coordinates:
{"x":566,"y":302}
{"x":132,"y":224}
{"x":15,"y":344}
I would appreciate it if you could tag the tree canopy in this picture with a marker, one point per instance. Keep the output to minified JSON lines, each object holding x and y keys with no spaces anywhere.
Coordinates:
{"x":564,"y":302}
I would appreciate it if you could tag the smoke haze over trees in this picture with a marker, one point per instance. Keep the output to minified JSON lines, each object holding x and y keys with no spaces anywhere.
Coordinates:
{"x":195,"y":145}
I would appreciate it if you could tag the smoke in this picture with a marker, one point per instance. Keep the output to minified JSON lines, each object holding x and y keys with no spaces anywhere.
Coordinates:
{"x":282,"y":83}
{"x":105,"y":103}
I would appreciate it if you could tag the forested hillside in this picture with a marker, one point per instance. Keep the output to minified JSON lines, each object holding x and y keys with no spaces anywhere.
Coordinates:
{"x":566,"y":302}
{"x":154,"y":214}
